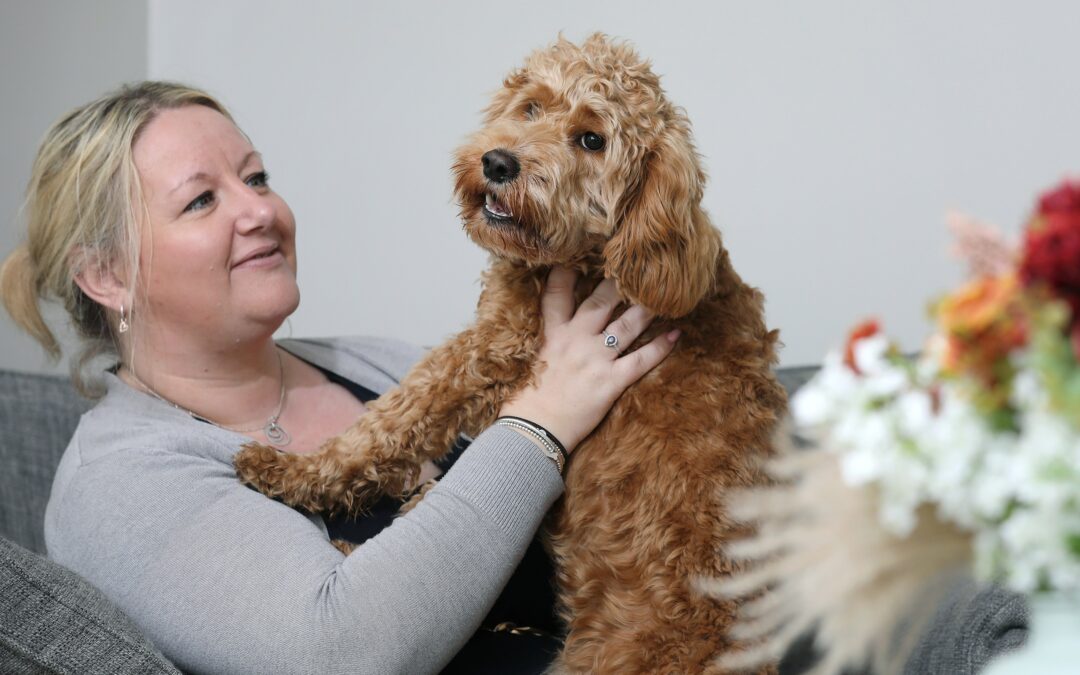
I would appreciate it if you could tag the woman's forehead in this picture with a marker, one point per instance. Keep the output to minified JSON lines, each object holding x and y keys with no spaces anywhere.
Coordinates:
{"x":187,"y":140}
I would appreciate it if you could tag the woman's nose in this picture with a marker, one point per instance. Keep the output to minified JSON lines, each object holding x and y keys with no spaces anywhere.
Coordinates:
{"x":256,"y":212}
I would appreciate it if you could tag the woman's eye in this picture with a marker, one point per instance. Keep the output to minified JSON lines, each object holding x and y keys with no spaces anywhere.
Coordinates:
{"x":591,"y":141}
{"x":259,"y":179}
{"x":200,"y":202}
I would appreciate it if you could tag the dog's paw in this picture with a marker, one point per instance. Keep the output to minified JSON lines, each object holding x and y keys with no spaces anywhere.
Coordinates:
{"x":346,"y":547}
{"x":337,"y":480}
{"x":417,"y":495}
{"x":265,"y":469}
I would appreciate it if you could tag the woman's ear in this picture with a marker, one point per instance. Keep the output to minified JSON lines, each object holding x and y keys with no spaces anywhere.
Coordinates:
{"x":663,"y":253}
{"x":100,"y":280}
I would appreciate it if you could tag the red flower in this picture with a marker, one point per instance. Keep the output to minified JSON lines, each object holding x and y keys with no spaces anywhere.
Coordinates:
{"x":1052,"y":245}
{"x":868,"y":328}
{"x":1064,"y":199}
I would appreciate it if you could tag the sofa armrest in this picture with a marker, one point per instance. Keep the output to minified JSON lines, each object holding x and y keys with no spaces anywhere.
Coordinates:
{"x":52,"y":620}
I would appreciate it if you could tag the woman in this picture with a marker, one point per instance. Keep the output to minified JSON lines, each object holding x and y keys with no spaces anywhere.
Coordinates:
{"x":152,"y":221}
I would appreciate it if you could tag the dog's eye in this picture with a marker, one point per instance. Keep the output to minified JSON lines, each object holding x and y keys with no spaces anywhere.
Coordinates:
{"x":591,"y":141}
{"x":532,"y":111}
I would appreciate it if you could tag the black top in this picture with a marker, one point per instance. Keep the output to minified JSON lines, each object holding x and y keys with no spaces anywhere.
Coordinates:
{"x":528,"y":600}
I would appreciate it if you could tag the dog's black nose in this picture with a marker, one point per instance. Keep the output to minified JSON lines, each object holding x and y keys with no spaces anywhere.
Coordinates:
{"x":500,"y":166}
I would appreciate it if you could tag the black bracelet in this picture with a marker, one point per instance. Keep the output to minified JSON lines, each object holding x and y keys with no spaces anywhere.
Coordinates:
{"x":540,"y":438}
{"x":547,"y":434}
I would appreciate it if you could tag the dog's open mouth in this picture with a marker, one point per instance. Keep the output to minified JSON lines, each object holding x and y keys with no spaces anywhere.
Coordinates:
{"x":496,"y":210}
{"x":505,"y":230}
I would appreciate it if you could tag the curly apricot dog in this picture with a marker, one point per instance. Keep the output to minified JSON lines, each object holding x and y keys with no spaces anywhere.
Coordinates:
{"x":583,"y":161}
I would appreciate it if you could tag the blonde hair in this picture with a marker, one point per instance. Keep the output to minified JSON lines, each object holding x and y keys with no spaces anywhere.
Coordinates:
{"x":81,"y":210}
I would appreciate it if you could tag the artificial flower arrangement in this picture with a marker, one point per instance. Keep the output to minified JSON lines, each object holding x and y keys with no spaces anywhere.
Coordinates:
{"x":985,"y":424}
{"x":966,"y":456}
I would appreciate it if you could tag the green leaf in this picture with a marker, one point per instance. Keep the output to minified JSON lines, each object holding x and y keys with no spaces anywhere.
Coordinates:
{"x":1072,"y":541}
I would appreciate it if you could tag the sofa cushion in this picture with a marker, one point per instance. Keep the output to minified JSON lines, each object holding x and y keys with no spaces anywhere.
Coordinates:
{"x":51,"y":620}
{"x":38,"y":414}
{"x":793,"y":377}
{"x":973,"y":625}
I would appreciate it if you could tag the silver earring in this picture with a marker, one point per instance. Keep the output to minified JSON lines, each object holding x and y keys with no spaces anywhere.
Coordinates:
{"x":124,"y":325}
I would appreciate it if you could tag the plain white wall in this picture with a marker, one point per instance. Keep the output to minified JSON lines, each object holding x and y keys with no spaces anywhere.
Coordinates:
{"x":836,"y":133}
{"x":54,"y":55}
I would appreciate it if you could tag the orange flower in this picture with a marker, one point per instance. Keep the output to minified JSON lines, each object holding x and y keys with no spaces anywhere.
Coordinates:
{"x":979,"y":305}
{"x":982,"y":322}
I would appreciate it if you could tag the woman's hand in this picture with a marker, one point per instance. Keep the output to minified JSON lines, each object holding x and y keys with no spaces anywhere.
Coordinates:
{"x":580,"y":377}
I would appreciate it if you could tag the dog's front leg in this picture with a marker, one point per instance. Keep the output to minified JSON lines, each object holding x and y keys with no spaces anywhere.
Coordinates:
{"x":457,"y":388}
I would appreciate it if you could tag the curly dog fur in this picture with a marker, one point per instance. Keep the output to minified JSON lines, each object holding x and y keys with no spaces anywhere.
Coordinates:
{"x":642,"y":516}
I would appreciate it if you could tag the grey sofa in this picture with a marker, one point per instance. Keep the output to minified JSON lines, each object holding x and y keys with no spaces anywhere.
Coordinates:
{"x":53,"y":621}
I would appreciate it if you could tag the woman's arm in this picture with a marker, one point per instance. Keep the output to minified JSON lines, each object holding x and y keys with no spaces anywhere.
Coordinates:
{"x":223,"y":579}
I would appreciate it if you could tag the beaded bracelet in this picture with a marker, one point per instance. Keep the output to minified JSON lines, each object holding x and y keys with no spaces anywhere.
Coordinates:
{"x":541,"y":430}
{"x":547,"y":441}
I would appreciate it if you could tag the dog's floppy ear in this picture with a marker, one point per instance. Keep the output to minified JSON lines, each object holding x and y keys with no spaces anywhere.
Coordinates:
{"x":663,"y":253}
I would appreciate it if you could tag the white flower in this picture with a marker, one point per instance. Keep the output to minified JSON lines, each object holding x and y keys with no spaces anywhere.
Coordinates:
{"x":830,"y":390}
{"x":869,"y":353}
{"x":1018,"y":492}
{"x":914,"y":413}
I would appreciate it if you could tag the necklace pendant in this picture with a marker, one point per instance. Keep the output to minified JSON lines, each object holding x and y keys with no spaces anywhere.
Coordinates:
{"x":276,"y":434}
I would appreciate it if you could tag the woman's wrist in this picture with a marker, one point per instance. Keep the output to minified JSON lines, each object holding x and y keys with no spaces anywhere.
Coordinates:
{"x":538,"y":440}
{"x":552,"y":423}
{"x":548,"y":443}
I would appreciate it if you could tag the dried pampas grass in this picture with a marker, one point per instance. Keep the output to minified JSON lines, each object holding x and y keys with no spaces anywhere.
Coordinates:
{"x":821,"y":561}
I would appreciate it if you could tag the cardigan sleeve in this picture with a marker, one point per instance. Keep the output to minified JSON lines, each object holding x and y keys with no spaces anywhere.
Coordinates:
{"x":225,"y":580}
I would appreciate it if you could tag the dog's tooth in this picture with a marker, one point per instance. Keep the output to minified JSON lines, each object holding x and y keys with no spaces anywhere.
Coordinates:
{"x":496,"y":208}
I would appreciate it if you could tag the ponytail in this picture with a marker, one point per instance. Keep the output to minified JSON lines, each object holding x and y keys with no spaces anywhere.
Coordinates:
{"x":20,"y":289}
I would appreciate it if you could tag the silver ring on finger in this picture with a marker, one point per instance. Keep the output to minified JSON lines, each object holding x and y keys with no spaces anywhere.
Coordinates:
{"x":611,"y":340}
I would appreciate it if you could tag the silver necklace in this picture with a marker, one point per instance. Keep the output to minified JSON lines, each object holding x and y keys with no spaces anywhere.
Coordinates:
{"x":273,"y":431}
